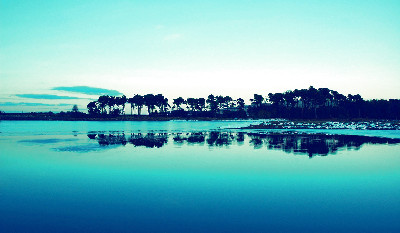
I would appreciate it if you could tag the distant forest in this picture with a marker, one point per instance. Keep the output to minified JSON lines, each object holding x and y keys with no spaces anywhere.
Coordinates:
{"x":311,"y":103}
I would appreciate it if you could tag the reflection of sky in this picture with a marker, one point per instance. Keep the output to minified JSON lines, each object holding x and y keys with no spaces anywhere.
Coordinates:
{"x":194,"y":188}
{"x":194,"y":48}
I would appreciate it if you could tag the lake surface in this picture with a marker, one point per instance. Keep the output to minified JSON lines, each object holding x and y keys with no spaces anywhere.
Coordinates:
{"x":194,"y":176}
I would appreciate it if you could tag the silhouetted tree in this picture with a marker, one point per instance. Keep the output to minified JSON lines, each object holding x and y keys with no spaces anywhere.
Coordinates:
{"x":121,"y":101}
{"x":93,"y":108}
{"x":178,"y":102}
{"x":138,"y":102}
{"x":162,"y":103}
{"x":110,"y":103}
{"x":220,"y":101}
{"x":240,"y":103}
{"x":150,"y":102}
{"x":212,"y":103}
{"x":191,"y":104}
{"x":75,"y":108}
{"x":103,"y":100}
{"x":130,"y":101}
{"x":201,"y":104}
{"x":257,"y":100}
{"x":227,"y":102}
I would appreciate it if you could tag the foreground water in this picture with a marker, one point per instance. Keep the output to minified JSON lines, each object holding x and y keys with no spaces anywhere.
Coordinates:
{"x":196,"y":177}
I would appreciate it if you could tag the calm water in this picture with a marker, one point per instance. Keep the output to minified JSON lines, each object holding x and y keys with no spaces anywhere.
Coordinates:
{"x":195,"y":177}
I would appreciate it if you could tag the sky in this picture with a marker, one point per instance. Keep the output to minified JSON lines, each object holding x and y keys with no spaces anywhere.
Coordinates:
{"x":54,"y":54}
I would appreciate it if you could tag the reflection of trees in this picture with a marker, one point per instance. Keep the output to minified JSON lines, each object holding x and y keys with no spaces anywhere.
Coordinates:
{"x":197,"y":137}
{"x":310,"y":144}
{"x":92,"y":135}
{"x":240,"y":138}
{"x":111,"y":139}
{"x":148,"y":140}
{"x":314,"y":144}
{"x":214,"y":138}
{"x":220,"y":138}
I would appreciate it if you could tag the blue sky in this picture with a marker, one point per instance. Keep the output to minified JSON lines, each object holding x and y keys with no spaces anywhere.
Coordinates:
{"x":194,"y":48}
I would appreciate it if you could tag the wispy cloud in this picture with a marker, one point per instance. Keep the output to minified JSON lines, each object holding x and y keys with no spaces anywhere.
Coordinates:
{"x":175,"y":36}
{"x":44,"y":96}
{"x":88,"y":90}
{"x":30,"y":104}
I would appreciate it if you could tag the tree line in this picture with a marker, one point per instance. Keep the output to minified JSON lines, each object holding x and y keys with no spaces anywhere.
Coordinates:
{"x":311,"y":103}
{"x":158,"y":105}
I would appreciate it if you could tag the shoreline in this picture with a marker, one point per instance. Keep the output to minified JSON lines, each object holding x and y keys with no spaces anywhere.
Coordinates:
{"x":47,"y":117}
{"x":268,"y":124}
{"x":331,"y":125}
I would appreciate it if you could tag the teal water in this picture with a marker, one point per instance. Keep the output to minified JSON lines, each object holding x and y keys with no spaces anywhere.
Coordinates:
{"x":194,"y":177}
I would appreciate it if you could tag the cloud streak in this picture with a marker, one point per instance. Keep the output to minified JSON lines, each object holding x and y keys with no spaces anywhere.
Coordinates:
{"x":30,"y":104}
{"x":88,"y":90}
{"x":45,"y":97}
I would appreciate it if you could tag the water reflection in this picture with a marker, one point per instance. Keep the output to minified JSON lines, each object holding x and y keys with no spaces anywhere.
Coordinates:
{"x":290,"y":142}
{"x":48,"y":140}
{"x":149,"y":140}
